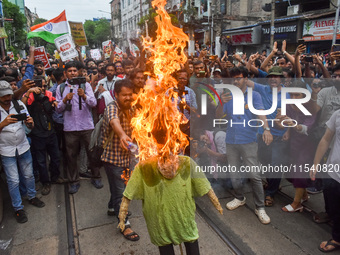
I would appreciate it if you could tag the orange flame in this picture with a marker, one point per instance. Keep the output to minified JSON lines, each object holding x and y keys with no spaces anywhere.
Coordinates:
{"x":156,"y":127}
{"x":126,"y":175}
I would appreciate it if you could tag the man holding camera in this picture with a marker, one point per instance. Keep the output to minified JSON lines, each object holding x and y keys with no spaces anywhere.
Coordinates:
{"x":15,"y":150}
{"x":75,"y":99}
{"x":40,"y":103}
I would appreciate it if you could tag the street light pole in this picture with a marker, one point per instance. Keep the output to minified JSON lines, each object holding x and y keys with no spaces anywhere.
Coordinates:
{"x":212,"y":30}
{"x":335,"y":31}
{"x":2,"y":40}
{"x":272,"y":23}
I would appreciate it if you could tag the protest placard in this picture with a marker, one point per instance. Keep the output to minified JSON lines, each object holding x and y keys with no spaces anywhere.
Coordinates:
{"x":95,"y":54}
{"x":107,"y":48}
{"x":66,"y":47}
{"x":133,"y":49}
{"x":118,"y":53}
{"x":10,"y":54}
{"x":83,"y":52}
{"x":78,"y":33}
{"x":40,"y":54}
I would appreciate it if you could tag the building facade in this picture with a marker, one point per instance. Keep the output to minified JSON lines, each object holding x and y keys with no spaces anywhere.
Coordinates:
{"x":131,"y":13}
{"x":312,"y":20}
{"x":20,"y":4}
{"x":116,"y":21}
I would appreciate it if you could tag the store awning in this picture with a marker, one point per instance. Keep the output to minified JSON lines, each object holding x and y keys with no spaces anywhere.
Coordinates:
{"x":282,"y":19}
{"x":242,"y":29}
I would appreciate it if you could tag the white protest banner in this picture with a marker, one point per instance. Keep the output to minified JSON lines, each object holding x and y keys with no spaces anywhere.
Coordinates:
{"x":66,"y":47}
{"x":95,"y":54}
{"x":107,"y":48}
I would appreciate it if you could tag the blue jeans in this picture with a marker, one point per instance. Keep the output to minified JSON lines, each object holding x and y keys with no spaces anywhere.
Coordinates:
{"x":276,"y":154}
{"x":10,"y":165}
{"x":117,"y":185}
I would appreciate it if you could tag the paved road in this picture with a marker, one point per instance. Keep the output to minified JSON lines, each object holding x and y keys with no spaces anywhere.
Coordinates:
{"x":95,"y":232}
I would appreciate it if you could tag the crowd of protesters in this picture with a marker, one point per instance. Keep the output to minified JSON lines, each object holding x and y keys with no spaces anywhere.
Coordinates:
{"x":54,"y":112}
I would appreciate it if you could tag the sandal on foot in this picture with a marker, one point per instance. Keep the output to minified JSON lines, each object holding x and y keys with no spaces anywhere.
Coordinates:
{"x":289,"y":208}
{"x":305,"y":199}
{"x":329,"y":242}
{"x":129,"y":236}
{"x":321,"y":218}
{"x":269,"y":201}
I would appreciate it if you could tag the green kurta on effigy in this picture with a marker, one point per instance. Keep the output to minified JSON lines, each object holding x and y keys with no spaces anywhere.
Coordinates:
{"x":168,"y":204}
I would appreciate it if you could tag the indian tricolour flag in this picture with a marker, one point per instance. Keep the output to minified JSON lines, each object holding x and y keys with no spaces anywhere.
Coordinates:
{"x":50,"y":29}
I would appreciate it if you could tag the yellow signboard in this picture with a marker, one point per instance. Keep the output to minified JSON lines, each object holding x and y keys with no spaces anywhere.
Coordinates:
{"x":3,"y":33}
{"x":78,"y":33}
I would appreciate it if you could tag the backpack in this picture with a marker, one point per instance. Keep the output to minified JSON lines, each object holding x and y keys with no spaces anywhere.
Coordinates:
{"x":95,"y":147}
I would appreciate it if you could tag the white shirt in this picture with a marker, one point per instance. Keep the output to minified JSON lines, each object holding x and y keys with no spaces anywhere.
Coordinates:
{"x":108,"y":85}
{"x":13,"y":136}
{"x":333,"y":161}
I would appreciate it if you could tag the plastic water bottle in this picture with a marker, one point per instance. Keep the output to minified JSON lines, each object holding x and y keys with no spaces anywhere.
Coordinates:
{"x":133,"y":148}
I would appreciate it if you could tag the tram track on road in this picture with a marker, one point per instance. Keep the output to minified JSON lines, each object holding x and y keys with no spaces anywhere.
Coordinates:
{"x":71,"y":223}
{"x":71,"y":219}
{"x":233,"y":244}
{"x":231,"y":241}
{"x":218,"y":230}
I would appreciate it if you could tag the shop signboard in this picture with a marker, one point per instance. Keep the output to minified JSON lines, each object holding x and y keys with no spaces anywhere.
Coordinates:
{"x":283,"y":31}
{"x":320,"y":29}
{"x":246,"y":36}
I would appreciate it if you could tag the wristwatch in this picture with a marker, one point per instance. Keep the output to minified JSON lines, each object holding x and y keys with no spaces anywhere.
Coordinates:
{"x":266,"y":129}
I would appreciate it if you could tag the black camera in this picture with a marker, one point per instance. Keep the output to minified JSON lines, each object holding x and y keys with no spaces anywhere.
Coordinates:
{"x":20,"y":116}
{"x":201,"y":144}
{"x":230,"y":58}
{"x":68,"y":107}
{"x":77,"y":81}
{"x":38,"y":97}
{"x":309,"y":58}
{"x":38,"y":82}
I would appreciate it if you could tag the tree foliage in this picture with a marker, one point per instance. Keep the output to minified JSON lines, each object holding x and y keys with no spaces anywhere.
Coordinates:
{"x":97,"y":32}
{"x":152,"y":25}
{"x":15,"y":29}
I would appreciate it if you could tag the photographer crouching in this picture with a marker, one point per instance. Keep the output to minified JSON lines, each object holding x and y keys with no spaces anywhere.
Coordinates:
{"x":75,"y":99}
{"x":40,"y":103}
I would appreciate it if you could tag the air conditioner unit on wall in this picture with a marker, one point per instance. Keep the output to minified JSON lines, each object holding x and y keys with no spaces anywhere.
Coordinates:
{"x":293,"y":10}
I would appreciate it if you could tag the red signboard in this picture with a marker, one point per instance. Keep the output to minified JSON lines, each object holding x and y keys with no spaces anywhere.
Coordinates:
{"x":242,"y":38}
{"x":40,"y":54}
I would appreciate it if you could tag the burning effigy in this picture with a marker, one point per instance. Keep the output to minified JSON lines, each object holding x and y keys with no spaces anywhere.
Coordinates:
{"x":165,"y":181}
